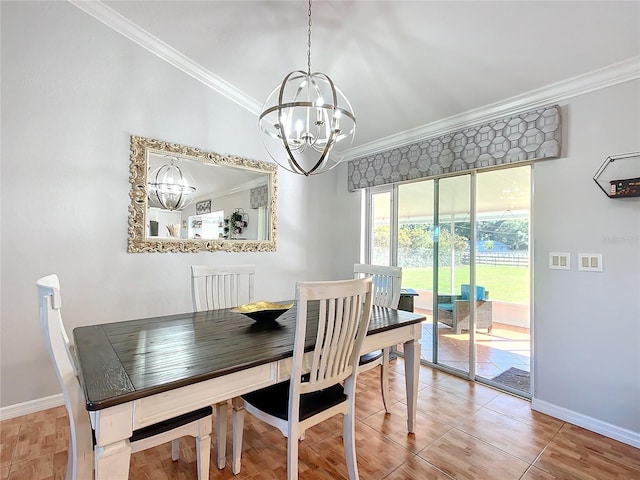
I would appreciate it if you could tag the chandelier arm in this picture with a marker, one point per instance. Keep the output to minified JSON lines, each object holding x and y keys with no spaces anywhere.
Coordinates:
{"x":334,"y":106}
{"x":333,"y":89}
{"x":281,"y":104}
{"x":181,"y":197}
{"x":321,"y":161}
{"x":346,"y":113}
{"x":179,"y":202}
{"x":160,"y":202}
{"x":292,"y":160}
{"x":287,"y":105}
{"x":155,"y":190}
{"x":325,"y":153}
{"x":284,"y":83}
{"x":283,"y":137}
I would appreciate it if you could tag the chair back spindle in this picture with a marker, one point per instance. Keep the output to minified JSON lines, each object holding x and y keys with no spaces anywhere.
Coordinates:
{"x":221,"y":286}
{"x":386,"y":283}
{"x":340,"y":331}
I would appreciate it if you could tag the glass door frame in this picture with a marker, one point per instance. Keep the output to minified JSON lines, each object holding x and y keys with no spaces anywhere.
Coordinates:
{"x":392,"y":189}
{"x":470,"y":374}
{"x":394,"y":222}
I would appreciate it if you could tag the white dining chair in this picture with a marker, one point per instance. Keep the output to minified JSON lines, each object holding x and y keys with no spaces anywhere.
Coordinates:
{"x":221,"y":286}
{"x":387,"y":282}
{"x":80,"y":456}
{"x":214,"y":287}
{"x":341,"y":311}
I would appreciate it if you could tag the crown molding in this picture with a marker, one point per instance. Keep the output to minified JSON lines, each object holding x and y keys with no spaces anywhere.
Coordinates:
{"x":133,"y":32}
{"x":611,"y":75}
{"x":555,"y":93}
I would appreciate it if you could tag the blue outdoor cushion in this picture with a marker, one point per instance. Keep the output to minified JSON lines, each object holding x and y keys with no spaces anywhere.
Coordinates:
{"x":445,"y":306}
{"x":465,"y":290}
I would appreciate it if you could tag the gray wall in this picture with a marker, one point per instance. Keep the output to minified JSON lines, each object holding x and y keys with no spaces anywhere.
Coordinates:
{"x":587,"y":324}
{"x":72,"y":93}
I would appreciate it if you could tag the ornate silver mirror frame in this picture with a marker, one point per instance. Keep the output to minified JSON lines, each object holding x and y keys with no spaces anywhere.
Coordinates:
{"x":145,"y":151}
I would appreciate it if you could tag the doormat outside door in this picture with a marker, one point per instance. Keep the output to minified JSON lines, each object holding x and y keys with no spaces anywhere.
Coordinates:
{"x":515,"y":378}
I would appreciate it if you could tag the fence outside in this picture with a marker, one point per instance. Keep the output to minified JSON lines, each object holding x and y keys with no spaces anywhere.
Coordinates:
{"x":512,"y":258}
{"x":424,"y":258}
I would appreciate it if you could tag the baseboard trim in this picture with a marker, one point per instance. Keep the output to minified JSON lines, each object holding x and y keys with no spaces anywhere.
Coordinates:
{"x":603,"y":428}
{"x":32,"y":406}
{"x":608,"y":430}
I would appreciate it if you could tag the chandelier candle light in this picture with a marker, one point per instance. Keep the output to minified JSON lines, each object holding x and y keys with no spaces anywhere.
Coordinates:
{"x":304,"y":118}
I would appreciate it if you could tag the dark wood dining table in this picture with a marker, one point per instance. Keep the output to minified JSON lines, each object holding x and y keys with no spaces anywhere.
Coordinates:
{"x":136,"y":373}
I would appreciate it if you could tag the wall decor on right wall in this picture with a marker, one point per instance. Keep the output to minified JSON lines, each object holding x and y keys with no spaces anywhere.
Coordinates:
{"x":619,"y":175}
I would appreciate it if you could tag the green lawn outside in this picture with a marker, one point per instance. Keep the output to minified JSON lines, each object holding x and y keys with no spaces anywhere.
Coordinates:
{"x":505,"y":283}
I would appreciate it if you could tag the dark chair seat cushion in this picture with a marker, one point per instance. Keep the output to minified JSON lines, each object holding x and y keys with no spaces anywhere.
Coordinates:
{"x":370,"y":357}
{"x":165,"y":426}
{"x":274,"y":400}
{"x":170,"y":424}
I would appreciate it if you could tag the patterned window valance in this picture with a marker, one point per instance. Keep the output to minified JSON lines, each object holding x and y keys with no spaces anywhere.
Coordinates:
{"x":532,"y":135}
{"x":259,"y":196}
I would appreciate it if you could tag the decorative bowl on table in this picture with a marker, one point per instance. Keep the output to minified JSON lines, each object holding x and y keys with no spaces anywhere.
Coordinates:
{"x":263,"y":311}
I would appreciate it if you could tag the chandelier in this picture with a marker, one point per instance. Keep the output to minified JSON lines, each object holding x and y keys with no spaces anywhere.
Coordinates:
{"x":169,"y":188}
{"x":303,"y":119}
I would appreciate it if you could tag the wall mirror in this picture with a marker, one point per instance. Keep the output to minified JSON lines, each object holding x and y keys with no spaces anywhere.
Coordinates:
{"x":184,"y":199}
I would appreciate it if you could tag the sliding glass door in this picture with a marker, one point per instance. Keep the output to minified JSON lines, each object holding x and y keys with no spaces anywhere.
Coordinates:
{"x":380,"y":236}
{"x":502,"y":265}
{"x":416,"y":233}
{"x":463,"y":244}
{"x":453,"y":271}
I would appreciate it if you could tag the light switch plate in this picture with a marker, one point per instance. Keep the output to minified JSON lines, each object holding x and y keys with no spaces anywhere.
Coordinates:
{"x":590,"y":262}
{"x":559,"y":261}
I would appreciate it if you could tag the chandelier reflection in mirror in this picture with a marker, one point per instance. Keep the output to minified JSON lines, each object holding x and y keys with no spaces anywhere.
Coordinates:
{"x":169,"y":187}
{"x":303,"y":119}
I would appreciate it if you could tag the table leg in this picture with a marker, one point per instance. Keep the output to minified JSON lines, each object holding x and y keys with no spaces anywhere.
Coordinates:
{"x":112,"y":453}
{"x":221,"y":431}
{"x":112,"y":461}
{"x":412,"y":373}
{"x":238,"y":425}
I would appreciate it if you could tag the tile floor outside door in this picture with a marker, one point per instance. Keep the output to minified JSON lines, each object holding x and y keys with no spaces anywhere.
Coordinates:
{"x":497,"y":351}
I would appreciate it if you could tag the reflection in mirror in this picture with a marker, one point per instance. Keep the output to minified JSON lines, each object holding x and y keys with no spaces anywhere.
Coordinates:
{"x":185,"y":200}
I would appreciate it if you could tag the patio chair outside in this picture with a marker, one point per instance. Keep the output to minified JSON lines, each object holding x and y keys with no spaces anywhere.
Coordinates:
{"x":454,"y":310}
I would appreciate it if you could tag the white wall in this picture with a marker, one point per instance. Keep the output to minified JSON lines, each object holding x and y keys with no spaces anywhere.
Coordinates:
{"x":73,"y":91}
{"x":587,"y":324}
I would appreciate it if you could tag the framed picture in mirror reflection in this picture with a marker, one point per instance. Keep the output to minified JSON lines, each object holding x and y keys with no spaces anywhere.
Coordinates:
{"x":203,"y":207}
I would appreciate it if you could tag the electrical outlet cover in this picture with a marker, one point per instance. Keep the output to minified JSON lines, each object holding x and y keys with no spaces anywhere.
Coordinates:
{"x":559,"y":261}
{"x":590,"y":262}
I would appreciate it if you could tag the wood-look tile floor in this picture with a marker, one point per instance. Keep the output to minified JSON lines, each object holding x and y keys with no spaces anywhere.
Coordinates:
{"x":464,"y":431}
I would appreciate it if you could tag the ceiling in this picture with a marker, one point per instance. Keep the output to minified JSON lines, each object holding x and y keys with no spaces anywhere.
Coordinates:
{"x":401,"y":64}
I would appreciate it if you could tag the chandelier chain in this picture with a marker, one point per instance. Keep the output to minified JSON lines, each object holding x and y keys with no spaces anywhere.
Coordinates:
{"x":309,"y":42}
